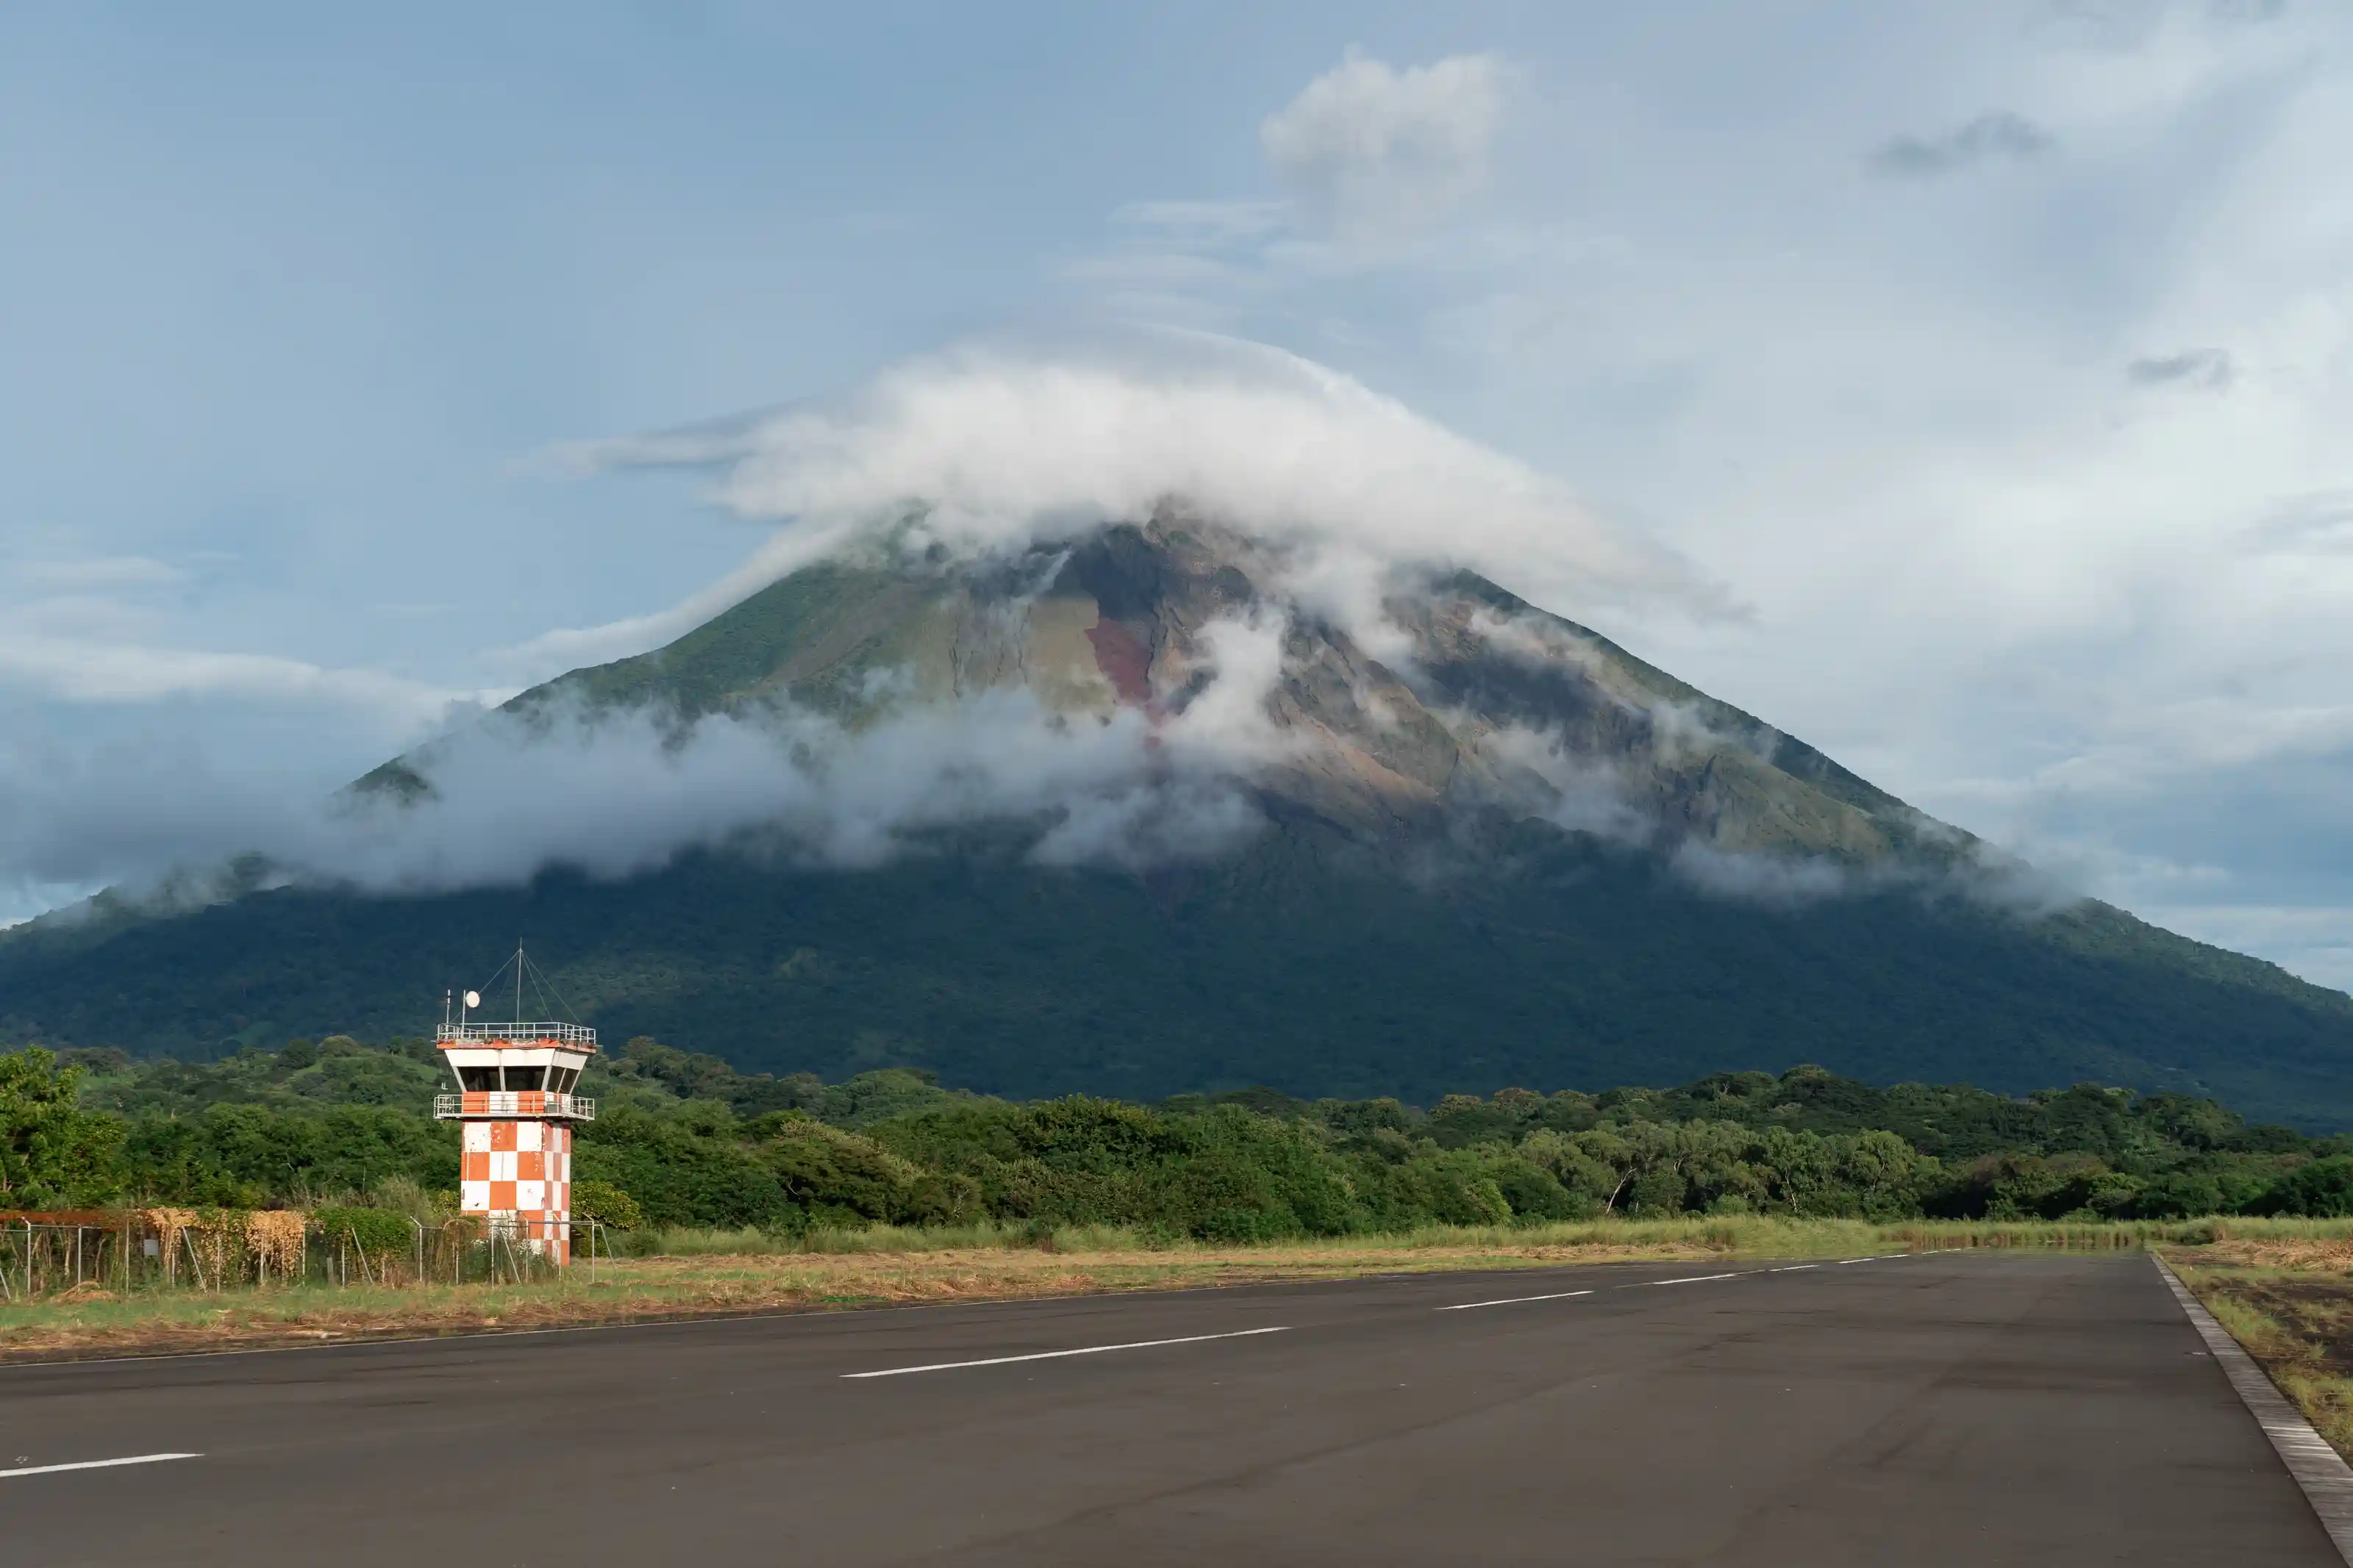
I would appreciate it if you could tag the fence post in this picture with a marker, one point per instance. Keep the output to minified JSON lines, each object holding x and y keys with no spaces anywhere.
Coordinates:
{"x":420,"y":1247}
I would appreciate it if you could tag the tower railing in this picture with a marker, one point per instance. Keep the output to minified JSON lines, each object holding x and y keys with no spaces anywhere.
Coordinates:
{"x":563,"y":1034}
{"x":514,"y":1102}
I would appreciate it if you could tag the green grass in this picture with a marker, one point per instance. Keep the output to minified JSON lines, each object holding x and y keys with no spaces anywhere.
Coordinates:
{"x":688,"y":1241}
{"x":1759,"y":1235}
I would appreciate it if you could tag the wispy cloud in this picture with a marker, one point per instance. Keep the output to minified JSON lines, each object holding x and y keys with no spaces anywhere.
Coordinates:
{"x":80,"y":670}
{"x":96,"y":573}
{"x":1203,"y":225}
{"x":616,"y":794}
{"x":1379,"y":150}
{"x":2001,"y":135}
{"x":2318,"y":523}
{"x":2246,"y":13}
{"x":1383,"y":165}
{"x":2206,"y":368}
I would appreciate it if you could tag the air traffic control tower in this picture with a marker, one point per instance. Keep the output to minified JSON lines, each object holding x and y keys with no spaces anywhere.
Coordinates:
{"x":516,"y":1104}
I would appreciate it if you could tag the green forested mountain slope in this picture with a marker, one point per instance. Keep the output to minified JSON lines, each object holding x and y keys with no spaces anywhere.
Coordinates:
{"x":1285,"y":968}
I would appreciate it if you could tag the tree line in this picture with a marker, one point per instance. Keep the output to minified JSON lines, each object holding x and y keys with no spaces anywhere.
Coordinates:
{"x":683,"y":1139}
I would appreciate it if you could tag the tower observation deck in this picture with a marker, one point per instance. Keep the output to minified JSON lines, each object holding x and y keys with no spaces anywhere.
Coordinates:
{"x":508,"y":1069}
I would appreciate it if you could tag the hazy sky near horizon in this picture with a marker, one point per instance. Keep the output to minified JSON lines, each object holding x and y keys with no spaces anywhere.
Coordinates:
{"x":1993,"y":362}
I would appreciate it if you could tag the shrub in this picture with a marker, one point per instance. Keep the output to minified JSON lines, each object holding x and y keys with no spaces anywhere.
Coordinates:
{"x":378,"y":1234}
{"x":405,"y":1196}
{"x":2181,"y":1195}
{"x":1655,"y":1194}
{"x":2321,"y":1190}
{"x":606,"y":1204}
{"x":836,"y":1177}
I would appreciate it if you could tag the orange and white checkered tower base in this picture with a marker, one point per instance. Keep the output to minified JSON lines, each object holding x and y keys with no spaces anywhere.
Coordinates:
{"x":516,"y":1109}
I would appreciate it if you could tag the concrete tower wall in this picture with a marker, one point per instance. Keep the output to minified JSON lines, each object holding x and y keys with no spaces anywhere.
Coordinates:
{"x":518,"y":1175}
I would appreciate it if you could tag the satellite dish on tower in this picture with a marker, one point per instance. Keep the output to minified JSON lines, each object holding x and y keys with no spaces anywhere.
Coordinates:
{"x":473,"y":999}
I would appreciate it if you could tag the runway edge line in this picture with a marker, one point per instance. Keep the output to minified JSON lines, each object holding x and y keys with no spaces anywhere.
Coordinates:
{"x":2326,"y":1480}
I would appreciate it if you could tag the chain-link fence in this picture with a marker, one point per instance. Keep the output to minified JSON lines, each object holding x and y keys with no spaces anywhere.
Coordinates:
{"x":214,"y":1250}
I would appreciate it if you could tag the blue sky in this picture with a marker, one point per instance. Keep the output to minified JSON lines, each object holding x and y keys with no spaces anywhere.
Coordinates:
{"x":1992,"y":360}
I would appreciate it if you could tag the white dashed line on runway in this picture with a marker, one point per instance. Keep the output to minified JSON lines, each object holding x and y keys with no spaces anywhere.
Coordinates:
{"x":1053,"y":1355}
{"x":97,"y":1464}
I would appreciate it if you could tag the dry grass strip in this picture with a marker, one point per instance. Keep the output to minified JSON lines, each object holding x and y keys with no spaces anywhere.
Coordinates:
{"x":636,"y":1290}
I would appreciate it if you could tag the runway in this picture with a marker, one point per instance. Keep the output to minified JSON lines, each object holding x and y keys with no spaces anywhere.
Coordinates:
{"x":1947,"y":1408}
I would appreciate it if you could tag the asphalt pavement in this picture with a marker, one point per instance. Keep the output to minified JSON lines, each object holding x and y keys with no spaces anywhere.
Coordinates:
{"x":1946,"y":1408}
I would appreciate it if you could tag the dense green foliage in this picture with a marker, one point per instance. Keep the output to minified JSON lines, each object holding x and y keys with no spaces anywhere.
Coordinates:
{"x":684,"y":1139}
{"x":52,"y":1152}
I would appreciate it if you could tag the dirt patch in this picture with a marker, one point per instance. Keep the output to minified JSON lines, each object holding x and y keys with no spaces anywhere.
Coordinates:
{"x":2317,"y":1312}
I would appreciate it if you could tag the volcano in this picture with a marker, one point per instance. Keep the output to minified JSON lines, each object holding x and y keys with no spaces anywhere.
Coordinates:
{"x":1404,"y":836}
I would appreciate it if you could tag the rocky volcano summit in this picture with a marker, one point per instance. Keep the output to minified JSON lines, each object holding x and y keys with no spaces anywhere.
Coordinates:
{"x":1162,"y":808}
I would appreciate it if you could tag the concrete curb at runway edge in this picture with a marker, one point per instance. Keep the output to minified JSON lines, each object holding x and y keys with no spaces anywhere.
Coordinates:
{"x":2326,"y":1480}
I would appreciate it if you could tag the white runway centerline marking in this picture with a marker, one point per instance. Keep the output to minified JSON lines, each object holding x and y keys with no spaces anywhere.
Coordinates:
{"x":1052,"y":1356}
{"x":97,"y":1464}
{"x":1696,"y":1278}
{"x":1511,"y":1301}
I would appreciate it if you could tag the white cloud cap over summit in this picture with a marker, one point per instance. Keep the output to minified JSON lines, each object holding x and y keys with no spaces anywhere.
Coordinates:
{"x":1000,"y":445}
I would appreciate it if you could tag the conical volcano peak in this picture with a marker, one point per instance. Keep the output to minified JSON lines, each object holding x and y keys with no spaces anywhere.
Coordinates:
{"x":1450,"y":696}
